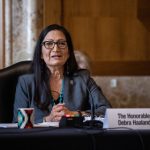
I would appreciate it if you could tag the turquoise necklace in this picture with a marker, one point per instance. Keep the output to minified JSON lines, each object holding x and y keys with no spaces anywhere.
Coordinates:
{"x":60,"y":98}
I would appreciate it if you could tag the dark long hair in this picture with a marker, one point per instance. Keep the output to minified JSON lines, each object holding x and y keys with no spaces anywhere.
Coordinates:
{"x":41,"y":71}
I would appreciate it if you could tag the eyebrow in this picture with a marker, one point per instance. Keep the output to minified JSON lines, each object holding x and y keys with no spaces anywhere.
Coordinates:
{"x":54,"y":40}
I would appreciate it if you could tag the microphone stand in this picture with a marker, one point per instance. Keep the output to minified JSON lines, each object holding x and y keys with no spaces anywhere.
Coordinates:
{"x":92,"y":123}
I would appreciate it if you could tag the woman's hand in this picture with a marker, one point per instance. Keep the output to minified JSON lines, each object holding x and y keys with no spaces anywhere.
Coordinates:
{"x":58,"y":111}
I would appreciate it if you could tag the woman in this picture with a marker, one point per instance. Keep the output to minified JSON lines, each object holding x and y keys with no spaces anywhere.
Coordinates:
{"x":57,"y":87}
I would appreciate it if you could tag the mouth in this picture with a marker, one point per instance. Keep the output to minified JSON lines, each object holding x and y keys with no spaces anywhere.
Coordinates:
{"x":56,"y":56}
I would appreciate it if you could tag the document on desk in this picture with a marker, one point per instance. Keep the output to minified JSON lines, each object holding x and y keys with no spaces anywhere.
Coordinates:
{"x":47,"y":124}
{"x":8,"y":125}
{"x":43,"y":124}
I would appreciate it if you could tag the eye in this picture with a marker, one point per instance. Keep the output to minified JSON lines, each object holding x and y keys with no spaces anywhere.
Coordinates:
{"x":49,"y":43}
{"x":62,"y":44}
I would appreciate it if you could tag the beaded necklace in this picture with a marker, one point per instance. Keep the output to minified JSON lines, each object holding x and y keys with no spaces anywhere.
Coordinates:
{"x":60,"y":98}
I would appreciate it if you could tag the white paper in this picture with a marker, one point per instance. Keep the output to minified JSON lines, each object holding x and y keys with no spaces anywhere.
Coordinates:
{"x":44,"y":124}
{"x":47,"y":124}
{"x":96,"y":118}
{"x":8,"y":125}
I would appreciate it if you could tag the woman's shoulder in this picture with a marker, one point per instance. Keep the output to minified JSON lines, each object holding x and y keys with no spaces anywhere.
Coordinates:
{"x":83,"y":73}
{"x":28,"y":77}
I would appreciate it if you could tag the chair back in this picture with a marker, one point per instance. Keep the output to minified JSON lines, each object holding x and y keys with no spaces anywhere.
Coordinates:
{"x":8,"y":80}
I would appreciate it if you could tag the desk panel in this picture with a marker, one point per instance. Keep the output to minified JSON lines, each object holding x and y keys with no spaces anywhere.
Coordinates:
{"x":74,"y":139}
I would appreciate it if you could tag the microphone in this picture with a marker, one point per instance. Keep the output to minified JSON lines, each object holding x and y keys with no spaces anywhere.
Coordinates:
{"x":78,"y":121}
{"x":92,"y":123}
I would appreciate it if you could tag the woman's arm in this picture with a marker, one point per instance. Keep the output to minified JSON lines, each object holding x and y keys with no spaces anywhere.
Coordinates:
{"x":21,"y":97}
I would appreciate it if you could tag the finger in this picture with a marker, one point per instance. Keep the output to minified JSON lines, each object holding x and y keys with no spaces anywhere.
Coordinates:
{"x":58,"y":108}
{"x":59,"y":114}
{"x":57,"y":118}
{"x":61,"y":104}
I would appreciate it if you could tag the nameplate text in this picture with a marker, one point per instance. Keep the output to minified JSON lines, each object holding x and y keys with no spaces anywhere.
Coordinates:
{"x":134,"y":118}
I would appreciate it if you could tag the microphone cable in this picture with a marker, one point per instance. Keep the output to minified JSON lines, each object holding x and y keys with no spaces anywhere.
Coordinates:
{"x":92,"y":123}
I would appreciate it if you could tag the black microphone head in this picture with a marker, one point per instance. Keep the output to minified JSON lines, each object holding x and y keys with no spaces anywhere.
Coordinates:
{"x":93,"y":124}
{"x":69,"y":121}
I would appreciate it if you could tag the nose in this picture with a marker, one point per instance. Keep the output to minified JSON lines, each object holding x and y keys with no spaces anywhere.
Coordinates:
{"x":55,"y":48}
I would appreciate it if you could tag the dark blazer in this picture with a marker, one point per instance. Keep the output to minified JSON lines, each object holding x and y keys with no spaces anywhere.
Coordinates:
{"x":79,"y":91}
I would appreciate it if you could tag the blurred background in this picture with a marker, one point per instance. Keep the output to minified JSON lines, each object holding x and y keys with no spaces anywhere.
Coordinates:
{"x":114,"y":34}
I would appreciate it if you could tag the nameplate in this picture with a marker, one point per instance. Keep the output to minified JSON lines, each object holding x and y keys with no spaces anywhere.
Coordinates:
{"x":134,"y":118}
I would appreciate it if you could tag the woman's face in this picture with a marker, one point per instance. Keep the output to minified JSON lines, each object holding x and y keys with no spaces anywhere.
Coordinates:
{"x":55,"y":49}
